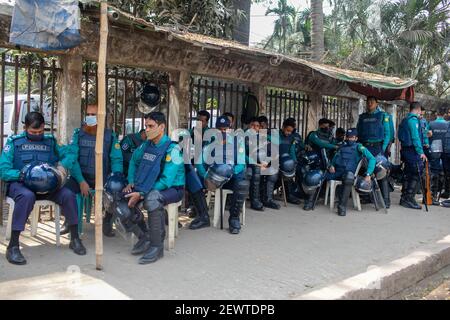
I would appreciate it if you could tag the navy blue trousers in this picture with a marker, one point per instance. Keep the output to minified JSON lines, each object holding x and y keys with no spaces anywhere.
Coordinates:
{"x":24,"y":200}
{"x":411,"y":160}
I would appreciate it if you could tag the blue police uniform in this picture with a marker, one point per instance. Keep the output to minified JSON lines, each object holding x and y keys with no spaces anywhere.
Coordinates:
{"x":410,"y":135}
{"x":19,"y":151}
{"x":438,"y":144}
{"x":233,"y":152}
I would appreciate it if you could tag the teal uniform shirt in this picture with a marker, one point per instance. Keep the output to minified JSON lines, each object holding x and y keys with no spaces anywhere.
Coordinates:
{"x":386,"y":126}
{"x":127,"y":143}
{"x":238,"y":168}
{"x":362,"y":152}
{"x":313,"y":139}
{"x":413,"y":128}
{"x":7,"y":173}
{"x":115,"y":156}
{"x":292,"y":149}
{"x":173,"y":167}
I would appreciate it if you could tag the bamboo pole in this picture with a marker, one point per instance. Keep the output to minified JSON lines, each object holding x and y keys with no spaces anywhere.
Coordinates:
{"x":101,"y":73}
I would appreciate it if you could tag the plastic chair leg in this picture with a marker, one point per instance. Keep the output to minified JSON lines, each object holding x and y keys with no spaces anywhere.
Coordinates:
{"x":80,"y":212}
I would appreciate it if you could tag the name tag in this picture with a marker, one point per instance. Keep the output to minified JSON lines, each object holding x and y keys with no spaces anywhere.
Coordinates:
{"x":370,"y":119}
{"x":35,"y":147}
{"x":149,"y":156}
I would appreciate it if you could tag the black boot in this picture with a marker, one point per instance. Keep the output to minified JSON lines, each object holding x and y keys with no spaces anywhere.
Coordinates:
{"x":267,"y":193}
{"x":309,"y":202}
{"x":407,"y":199}
{"x":290,"y":191}
{"x":156,"y":250}
{"x":77,"y":246}
{"x":108,"y":225}
{"x":343,"y":199}
{"x":239,"y":196}
{"x":14,"y":256}
{"x":435,"y":188}
{"x":202,"y":219}
{"x":65,"y":228}
{"x":255,"y":200}
{"x":385,"y":191}
{"x":142,"y":245}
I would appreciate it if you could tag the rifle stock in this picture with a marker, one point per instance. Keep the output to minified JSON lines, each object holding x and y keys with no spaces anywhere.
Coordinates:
{"x":428,"y":197}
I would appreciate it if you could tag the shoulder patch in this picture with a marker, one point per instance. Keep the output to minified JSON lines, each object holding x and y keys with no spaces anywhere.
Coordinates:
{"x":125,"y":146}
{"x":6,"y":148}
{"x":168,"y":158}
{"x":117,"y":146}
{"x":386,"y":119}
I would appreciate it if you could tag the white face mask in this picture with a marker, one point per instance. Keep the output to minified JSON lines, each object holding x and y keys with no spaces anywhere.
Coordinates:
{"x":91,"y":121}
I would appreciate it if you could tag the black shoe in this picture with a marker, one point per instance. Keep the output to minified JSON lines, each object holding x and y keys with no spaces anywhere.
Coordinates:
{"x":108,"y":229}
{"x":257,"y":206}
{"x":341,"y":211}
{"x":308,"y":206}
{"x":65,"y":228}
{"x":141,"y":246}
{"x":293,"y":200}
{"x":407,"y":203}
{"x":14,"y":256}
{"x":272,"y":205}
{"x":152,"y":255}
{"x":445,"y":195}
{"x":234,"y":230}
{"x":199,"y":223}
{"x":235,"y":225}
{"x":77,"y":246}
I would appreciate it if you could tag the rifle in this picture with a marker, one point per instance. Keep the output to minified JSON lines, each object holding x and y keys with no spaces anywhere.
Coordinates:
{"x":421,"y":186}
{"x":427,"y":196}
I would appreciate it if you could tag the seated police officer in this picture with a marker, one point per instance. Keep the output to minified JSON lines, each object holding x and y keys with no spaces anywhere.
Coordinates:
{"x":82,"y":175}
{"x":155,"y":175}
{"x":129,"y":144}
{"x":26,"y":148}
{"x":233,"y":154}
{"x":269,"y":177}
{"x":344,"y":164}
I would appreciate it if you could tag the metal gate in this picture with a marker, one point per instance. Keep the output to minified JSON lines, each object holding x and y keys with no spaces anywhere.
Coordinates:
{"x":124,"y":86}
{"x":338,"y":110}
{"x":216,"y":96}
{"x":283,"y":104}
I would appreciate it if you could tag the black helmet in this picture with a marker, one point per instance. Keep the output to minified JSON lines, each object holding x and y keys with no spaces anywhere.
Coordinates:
{"x":217,"y":175}
{"x":362,"y":186}
{"x":312,"y":180}
{"x":287,"y":165}
{"x":41,"y":178}
{"x":115,"y":183}
{"x":310,"y":160}
{"x":150,"y":98}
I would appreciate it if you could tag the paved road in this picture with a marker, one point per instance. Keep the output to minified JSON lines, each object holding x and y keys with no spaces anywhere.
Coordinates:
{"x":278,"y":255}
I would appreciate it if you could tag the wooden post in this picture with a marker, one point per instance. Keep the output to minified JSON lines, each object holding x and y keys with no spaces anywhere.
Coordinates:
{"x":101,"y":72}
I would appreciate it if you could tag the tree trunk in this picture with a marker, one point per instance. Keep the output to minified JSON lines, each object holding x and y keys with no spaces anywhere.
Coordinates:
{"x":317,"y":37}
{"x":241,"y":32}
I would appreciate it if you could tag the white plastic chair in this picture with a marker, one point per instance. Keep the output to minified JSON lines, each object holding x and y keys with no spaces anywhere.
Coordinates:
{"x":331,"y":191}
{"x":34,"y":217}
{"x":216,"y":217}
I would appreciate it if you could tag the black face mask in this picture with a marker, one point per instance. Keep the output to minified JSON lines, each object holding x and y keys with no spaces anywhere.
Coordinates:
{"x":351,"y":142}
{"x":325,"y":130}
{"x":35,"y":137}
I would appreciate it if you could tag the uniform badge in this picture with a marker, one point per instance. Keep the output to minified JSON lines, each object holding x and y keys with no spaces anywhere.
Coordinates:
{"x":386,"y":119}
{"x":117,"y":145}
{"x":168,"y":158}
{"x":125,"y":146}
{"x":7,"y":148}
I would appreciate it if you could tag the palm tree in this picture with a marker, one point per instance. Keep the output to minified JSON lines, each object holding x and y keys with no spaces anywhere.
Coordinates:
{"x":284,"y":24}
{"x":317,"y":34}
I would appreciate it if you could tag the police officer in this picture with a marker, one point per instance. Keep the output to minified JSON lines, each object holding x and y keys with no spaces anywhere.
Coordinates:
{"x":339,"y":138}
{"x":34,"y":145}
{"x":438,"y":143}
{"x":156,"y":175}
{"x":374,"y":132}
{"x":412,"y":154}
{"x":254,"y":164}
{"x":129,"y":144}
{"x":270,"y":176}
{"x":322,"y":138}
{"x":238,"y":184}
{"x":288,"y":145}
{"x":203,"y":116}
{"x":344,"y":164}
{"x":82,"y":175}
{"x":231,"y":118}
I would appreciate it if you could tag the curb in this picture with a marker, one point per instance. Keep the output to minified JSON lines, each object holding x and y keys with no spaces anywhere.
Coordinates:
{"x":385,"y":281}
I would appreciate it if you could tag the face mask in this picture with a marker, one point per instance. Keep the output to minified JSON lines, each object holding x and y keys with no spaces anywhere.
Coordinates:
{"x":351,"y":142}
{"x":35,"y":137}
{"x":325,"y":130}
{"x":152,"y":134}
{"x":91,"y":121}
